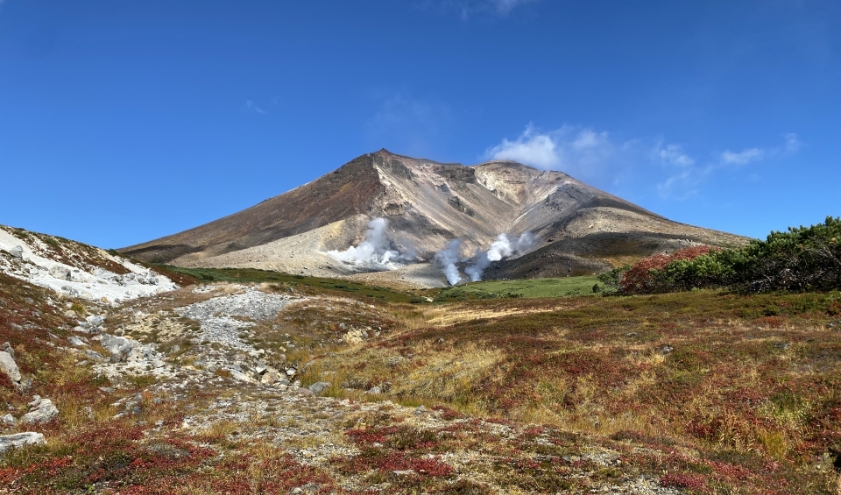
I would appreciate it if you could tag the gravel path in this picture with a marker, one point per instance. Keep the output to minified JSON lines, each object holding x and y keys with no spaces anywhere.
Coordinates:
{"x":221,"y":317}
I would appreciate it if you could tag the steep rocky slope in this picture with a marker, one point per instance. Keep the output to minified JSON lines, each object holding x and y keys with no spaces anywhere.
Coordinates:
{"x":577,"y":228}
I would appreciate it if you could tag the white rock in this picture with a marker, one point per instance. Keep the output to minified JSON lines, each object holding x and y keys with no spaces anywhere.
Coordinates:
{"x":60,"y":272}
{"x":16,"y":252}
{"x":8,"y":420}
{"x":41,"y":411}
{"x":238,"y":375}
{"x":20,"y":440}
{"x":118,"y":345}
{"x":8,"y":366}
{"x":95,"y":320}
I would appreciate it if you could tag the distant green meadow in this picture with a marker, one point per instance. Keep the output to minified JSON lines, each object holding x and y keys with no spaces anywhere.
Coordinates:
{"x":492,"y":289}
{"x":526,"y":288}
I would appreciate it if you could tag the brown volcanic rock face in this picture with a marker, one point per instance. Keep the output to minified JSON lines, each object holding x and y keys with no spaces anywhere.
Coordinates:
{"x":578,"y":229}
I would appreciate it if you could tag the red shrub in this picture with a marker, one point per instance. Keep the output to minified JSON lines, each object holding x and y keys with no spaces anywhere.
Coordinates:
{"x":639,"y":280}
{"x":683,"y":480}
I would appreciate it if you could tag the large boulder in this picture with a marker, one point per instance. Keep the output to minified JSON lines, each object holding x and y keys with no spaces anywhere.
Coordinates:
{"x":20,"y":440}
{"x":16,"y":252}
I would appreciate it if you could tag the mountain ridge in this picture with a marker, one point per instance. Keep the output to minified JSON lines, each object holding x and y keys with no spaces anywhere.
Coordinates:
{"x":427,"y":204}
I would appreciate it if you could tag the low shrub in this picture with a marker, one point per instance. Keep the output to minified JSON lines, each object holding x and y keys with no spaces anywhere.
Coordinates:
{"x":799,"y":260}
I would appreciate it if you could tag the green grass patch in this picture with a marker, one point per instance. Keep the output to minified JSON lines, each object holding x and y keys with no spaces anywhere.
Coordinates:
{"x":527,"y":289}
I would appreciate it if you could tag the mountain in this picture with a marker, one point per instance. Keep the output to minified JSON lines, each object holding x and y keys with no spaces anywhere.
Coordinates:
{"x":577,"y":228}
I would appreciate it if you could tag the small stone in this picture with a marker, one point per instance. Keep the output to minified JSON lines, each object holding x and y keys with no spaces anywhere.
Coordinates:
{"x":374,"y":390}
{"x":76,"y":341}
{"x":20,"y":440}
{"x":8,"y":420}
{"x":666,"y":349}
{"x":420,"y":410}
{"x":302,"y":391}
{"x":318,"y":388}
{"x":395,"y":361}
{"x":94,"y":321}
{"x":93,"y":355}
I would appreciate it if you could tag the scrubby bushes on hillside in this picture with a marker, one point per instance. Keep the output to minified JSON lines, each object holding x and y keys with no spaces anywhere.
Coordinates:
{"x":800,"y":259}
{"x":650,"y":274}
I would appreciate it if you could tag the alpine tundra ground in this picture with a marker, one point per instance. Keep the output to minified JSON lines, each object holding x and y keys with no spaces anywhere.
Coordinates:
{"x":294,"y":386}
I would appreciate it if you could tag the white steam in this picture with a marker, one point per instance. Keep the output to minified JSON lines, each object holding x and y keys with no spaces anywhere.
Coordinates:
{"x":447,"y":259}
{"x":501,"y":248}
{"x":376,"y":251}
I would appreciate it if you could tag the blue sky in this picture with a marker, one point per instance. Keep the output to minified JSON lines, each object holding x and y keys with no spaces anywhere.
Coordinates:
{"x":125,"y":121}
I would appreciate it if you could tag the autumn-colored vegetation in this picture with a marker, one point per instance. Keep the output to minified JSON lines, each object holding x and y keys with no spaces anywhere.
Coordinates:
{"x":802,"y":259}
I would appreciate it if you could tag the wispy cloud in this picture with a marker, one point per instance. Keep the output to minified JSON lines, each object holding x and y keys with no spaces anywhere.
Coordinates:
{"x":251,"y":107}
{"x":673,"y":154}
{"x":467,"y":8}
{"x":743,"y":157}
{"x":687,"y":178}
{"x":592,"y":155}
{"x":791,"y":144}
{"x":504,"y":7}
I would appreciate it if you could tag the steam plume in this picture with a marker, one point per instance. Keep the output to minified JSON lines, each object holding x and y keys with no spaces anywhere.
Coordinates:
{"x":501,"y":248}
{"x":447,"y":259}
{"x":376,"y":250}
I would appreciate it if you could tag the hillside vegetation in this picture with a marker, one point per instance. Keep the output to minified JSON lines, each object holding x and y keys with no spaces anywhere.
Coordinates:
{"x":250,"y":381}
{"x":800,"y":259}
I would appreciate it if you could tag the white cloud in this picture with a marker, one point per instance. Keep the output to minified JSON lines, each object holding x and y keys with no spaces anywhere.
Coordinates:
{"x":790,"y":145}
{"x":575,"y":150}
{"x":743,"y":157}
{"x":672,"y":154}
{"x":538,"y":150}
{"x":592,"y":155}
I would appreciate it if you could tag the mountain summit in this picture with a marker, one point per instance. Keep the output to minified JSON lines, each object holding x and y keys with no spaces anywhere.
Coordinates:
{"x":577,"y":228}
